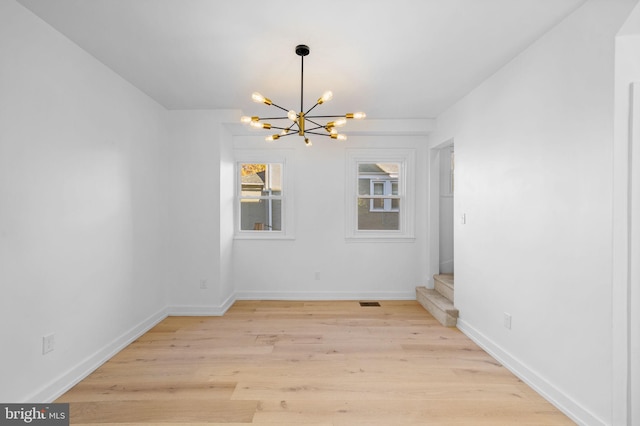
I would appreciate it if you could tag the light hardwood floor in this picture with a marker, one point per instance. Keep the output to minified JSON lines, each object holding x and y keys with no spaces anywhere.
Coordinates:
{"x":307,"y":363}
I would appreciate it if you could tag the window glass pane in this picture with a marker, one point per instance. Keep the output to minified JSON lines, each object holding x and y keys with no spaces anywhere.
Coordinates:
{"x":378,"y":178}
{"x":260,"y":215}
{"x":378,"y":220}
{"x":364,"y":185}
{"x":261,"y":179}
{"x":274,"y":179}
{"x":386,"y":169}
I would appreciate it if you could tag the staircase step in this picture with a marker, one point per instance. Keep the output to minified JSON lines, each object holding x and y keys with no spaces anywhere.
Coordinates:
{"x":444,"y":285}
{"x":439,"y":306}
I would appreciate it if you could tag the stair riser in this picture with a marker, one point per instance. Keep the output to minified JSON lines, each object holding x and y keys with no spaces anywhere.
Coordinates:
{"x":443,"y":317}
{"x":444,"y":289}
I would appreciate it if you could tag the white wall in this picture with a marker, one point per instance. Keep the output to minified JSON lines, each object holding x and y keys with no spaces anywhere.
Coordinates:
{"x":81,"y":209}
{"x":227,"y":197}
{"x":534,"y":178}
{"x":199,"y":152}
{"x":626,"y":225}
{"x":286,"y":269}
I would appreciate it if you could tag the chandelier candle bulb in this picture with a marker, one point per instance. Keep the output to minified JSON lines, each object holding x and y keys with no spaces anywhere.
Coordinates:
{"x":356,"y":115}
{"x":259,"y":125}
{"x":341,"y":122}
{"x":293,"y":116}
{"x":326,"y":96}
{"x":272,"y":138}
{"x":257,"y":97}
{"x":246,"y":119}
{"x":338,"y":123}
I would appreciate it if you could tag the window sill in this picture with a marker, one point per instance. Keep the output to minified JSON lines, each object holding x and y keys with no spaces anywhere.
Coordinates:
{"x":263,"y":236}
{"x":377,"y":238}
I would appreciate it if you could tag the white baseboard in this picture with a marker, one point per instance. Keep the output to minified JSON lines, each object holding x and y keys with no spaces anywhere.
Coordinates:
{"x":329,"y":295}
{"x":66,"y":381}
{"x":547,"y":390}
{"x":199,"y":310}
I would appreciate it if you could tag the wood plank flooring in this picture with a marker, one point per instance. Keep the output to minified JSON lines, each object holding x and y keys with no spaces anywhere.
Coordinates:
{"x":306,"y":363}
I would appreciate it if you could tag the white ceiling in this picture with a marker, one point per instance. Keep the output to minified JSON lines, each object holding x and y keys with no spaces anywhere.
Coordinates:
{"x":391,"y":59}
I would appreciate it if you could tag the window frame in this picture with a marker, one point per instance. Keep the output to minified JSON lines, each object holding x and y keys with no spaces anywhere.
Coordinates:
{"x":282,"y":157}
{"x":406,"y":194}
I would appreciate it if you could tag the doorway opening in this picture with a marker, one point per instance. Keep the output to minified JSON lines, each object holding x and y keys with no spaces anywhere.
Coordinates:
{"x":445,"y":214}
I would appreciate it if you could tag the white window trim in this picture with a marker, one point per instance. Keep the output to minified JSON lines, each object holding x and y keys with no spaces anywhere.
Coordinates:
{"x":284,"y":157}
{"x":406,"y":193}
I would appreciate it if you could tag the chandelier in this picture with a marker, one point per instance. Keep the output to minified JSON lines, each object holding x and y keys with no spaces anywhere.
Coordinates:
{"x":301,"y":123}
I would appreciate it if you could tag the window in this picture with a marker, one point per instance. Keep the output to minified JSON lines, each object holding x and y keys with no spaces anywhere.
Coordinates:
{"x":260,"y":197}
{"x":262,"y":206}
{"x":379,"y":192}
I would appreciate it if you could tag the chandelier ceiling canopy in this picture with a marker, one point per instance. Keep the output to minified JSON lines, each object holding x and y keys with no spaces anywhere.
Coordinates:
{"x":301,"y":123}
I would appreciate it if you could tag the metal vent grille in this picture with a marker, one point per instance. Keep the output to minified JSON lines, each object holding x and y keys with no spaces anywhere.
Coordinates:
{"x":369,"y":303}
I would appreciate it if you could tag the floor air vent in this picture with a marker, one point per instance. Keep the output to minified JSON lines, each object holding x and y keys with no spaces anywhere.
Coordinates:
{"x":369,"y":304}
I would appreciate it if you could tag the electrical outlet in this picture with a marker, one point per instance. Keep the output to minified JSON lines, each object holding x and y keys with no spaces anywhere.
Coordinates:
{"x":203,"y":284}
{"x":507,"y":321}
{"x":48,"y":343}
